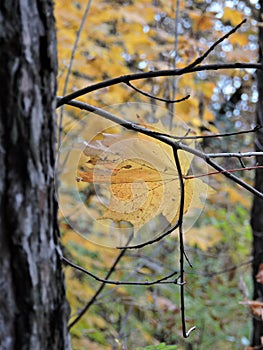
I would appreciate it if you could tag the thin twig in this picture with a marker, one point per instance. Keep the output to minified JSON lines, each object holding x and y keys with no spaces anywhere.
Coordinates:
{"x":121,"y":283}
{"x":73,"y":52}
{"x":226,"y":134}
{"x":212,"y":47}
{"x":197,"y":137}
{"x":141,"y":264}
{"x":187,"y":259}
{"x":224,"y":171}
{"x":174,"y":81}
{"x":101,"y":287}
{"x":243,"y":165}
{"x":234,"y":155}
{"x":181,"y":242}
{"x":188,"y":177}
{"x":160,"y":237}
{"x":155,"y":97}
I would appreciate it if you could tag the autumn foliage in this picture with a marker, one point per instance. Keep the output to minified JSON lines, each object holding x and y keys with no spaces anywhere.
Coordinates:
{"x":118,"y":183}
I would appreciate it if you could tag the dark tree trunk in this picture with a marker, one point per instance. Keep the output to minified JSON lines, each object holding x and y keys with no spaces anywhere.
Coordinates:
{"x":257,"y":209}
{"x":33,"y":308}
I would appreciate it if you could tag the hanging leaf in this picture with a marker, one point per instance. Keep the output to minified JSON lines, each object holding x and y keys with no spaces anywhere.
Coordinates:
{"x":138,"y":178}
{"x":232,"y":15}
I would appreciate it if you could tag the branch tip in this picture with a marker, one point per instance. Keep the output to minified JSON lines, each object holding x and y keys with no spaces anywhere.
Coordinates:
{"x":189,"y":332}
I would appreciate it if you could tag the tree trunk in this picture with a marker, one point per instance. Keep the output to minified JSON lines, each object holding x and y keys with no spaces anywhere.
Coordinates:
{"x":33,"y":308}
{"x":257,"y":209}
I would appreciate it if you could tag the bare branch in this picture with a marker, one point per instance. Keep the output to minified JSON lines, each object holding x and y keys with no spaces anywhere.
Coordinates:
{"x":181,"y":241}
{"x":234,"y":155}
{"x":106,"y":281}
{"x":192,"y":67}
{"x":121,"y":283}
{"x":132,"y":126}
{"x":243,"y":165}
{"x":196,"y":137}
{"x":201,"y":58}
{"x":226,"y":134}
{"x":160,"y":237}
{"x":156,"y":98}
{"x":223,"y":171}
{"x":101,"y":287}
{"x":154,"y":74}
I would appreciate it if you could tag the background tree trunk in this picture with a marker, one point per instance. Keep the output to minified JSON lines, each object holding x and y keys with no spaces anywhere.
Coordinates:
{"x":34,"y":311}
{"x":257,"y":209}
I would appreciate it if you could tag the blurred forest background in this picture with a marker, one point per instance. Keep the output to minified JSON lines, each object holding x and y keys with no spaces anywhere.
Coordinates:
{"x":98,"y":40}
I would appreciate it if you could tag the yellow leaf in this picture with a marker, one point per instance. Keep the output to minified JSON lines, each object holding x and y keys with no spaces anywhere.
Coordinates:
{"x":138,"y":178}
{"x":232,"y":15}
{"x":136,"y":41}
{"x":237,"y":197}
{"x":203,"y":237}
{"x":206,"y":88}
{"x":240,"y":39}
{"x":201,"y":21}
{"x":208,"y":115}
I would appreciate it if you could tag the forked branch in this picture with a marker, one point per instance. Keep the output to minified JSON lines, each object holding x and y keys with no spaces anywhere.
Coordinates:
{"x":191,"y":68}
{"x":169,"y":140}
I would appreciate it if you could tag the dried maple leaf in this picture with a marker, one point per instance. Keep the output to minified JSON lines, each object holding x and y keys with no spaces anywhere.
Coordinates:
{"x":138,"y":176}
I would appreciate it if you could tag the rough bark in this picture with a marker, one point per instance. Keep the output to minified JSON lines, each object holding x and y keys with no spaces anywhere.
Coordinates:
{"x":257,"y":209}
{"x":33,"y":308}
